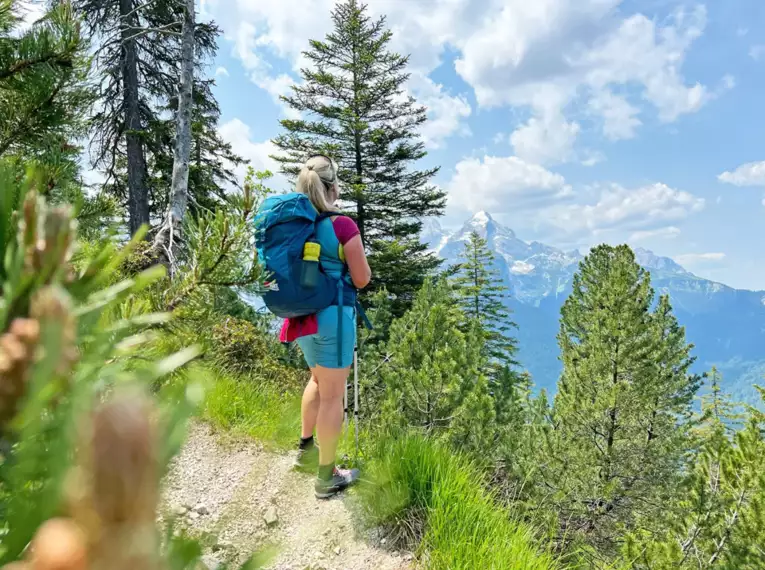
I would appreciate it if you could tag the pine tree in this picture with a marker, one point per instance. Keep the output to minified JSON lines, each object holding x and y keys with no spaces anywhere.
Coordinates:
{"x":717,"y":521}
{"x":483,"y":296}
{"x":354,"y":109}
{"x":42,"y":83}
{"x":433,"y":380}
{"x":622,"y":399}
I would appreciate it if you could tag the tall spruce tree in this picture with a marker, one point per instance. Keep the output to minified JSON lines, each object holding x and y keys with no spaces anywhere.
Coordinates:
{"x":353,"y":107}
{"x":137,"y":57}
{"x":483,"y":297}
{"x":622,"y":399}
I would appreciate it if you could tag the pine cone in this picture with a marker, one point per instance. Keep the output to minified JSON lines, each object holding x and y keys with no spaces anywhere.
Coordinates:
{"x":114,"y":492}
{"x":52,"y":307}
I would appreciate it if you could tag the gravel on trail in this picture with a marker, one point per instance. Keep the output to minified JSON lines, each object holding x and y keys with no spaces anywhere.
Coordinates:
{"x":244,"y":499}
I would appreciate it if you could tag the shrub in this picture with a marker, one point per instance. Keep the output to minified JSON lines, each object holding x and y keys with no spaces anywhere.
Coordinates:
{"x":81,"y":436}
{"x":240,"y":347}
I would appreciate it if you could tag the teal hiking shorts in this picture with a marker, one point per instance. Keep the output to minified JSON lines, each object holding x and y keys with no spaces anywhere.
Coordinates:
{"x":321,"y":349}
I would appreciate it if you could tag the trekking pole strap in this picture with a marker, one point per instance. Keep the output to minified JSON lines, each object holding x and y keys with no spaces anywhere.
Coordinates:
{"x":364,"y":317}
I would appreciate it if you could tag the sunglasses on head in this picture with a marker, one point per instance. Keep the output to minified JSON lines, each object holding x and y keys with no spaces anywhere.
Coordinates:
{"x":331,"y":163}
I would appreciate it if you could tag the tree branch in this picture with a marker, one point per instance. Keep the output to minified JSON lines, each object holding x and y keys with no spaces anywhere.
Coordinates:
{"x":24,"y":64}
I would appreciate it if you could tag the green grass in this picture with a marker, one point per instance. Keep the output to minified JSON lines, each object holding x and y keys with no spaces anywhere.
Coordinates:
{"x":256,"y":409}
{"x":422,"y":491}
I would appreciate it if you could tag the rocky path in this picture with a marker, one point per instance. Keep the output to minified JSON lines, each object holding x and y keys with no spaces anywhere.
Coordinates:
{"x":243,"y":499}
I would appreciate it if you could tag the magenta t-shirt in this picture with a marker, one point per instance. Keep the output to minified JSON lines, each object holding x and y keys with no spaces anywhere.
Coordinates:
{"x":345,"y":229}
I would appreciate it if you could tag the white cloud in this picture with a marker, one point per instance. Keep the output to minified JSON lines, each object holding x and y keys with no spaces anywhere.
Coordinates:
{"x":546,"y":55}
{"x":566,"y":46}
{"x":749,"y":174}
{"x":504,"y":184}
{"x":239,"y":135}
{"x":620,"y":209}
{"x":446,"y":113}
{"x":757,"y":52}
{"x":669,"y":232}
{"x":222,"y":72}
{"x":30,"y":11}
{"x":619,"y":116}
{"x":545,"y":140}
{"x":261,"y":30}
{"x":640,"y":52}
{"x":697,"y":259}
{"x":592,"y":157}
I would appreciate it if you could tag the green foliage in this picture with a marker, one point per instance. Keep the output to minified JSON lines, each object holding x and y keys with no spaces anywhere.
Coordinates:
{"x":64,"y":348}
{"x":241,"y":348}
{"x":355,"y":110}
{"x":42,"y":81}
{"x":253,"y":407}
{"x":420,"y":490}
{"x":483,"y":298}
{"x":219,"y":252}
{"x":717,"y":519}
{"x":213,"y":160}
{"x":621,"y":414}
{"x":136,"y":81}
{"x":433,"y":377}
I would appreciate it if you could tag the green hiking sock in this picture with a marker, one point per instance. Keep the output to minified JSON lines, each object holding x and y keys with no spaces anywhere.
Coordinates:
{"x":326,"y":471}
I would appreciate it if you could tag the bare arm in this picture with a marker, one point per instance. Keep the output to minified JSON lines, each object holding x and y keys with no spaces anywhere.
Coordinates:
{"x":358,"y":265}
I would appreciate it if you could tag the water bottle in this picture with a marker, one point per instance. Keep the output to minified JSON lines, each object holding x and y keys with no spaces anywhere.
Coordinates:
{"x":309,"y":274}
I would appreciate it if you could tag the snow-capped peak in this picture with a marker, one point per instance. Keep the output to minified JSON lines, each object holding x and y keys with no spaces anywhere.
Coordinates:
{"x":482,"y":218}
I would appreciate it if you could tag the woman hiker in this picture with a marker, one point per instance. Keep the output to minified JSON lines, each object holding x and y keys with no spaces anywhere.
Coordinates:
{"x":329,"y":351}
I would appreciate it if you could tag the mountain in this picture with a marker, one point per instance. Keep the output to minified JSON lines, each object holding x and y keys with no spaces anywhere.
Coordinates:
{"x":726,"y":325}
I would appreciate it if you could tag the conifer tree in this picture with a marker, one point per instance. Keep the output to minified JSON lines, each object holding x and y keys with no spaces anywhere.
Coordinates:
{"x":717,"y":521}
{"x":353,"y":108}
{"x":213,"y":160}
{"x":138,"y":57}
{"x":42,"y":83}
{"x":621,"y":403}
{"x":483,"y":296}
{"x":433,"y":380}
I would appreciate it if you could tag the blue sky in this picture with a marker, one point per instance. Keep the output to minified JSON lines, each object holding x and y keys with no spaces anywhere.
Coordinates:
{"x":574,"y":122}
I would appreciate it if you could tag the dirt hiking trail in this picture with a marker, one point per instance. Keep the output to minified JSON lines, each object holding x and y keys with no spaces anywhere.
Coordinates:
{"x":242,"y":499}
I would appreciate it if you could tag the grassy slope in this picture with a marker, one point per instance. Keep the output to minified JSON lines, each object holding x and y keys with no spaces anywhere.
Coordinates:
{"x":424,"y":490}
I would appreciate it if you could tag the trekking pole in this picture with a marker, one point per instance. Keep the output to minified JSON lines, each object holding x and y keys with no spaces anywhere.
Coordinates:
{"x":356,"y":397}
{"x":345,"y":408}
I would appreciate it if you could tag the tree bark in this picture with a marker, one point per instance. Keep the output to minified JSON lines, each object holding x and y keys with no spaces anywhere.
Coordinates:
{"x":138,"y":194}
{"x":168,"y":239}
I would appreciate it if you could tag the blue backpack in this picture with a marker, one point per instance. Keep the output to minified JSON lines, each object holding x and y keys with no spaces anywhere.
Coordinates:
{"x":283,"y":224}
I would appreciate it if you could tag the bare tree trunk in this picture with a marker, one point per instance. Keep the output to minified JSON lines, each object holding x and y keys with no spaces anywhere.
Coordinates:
{"x":168,"y":238}
{"x":138,"y":193}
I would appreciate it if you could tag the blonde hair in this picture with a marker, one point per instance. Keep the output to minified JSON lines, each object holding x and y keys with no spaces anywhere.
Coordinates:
{"x":317,"y":179}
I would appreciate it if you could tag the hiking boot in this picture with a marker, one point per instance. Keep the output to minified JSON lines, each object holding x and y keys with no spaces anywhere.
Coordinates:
{"x":340,"y":481}
{"x":307,"y":458}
